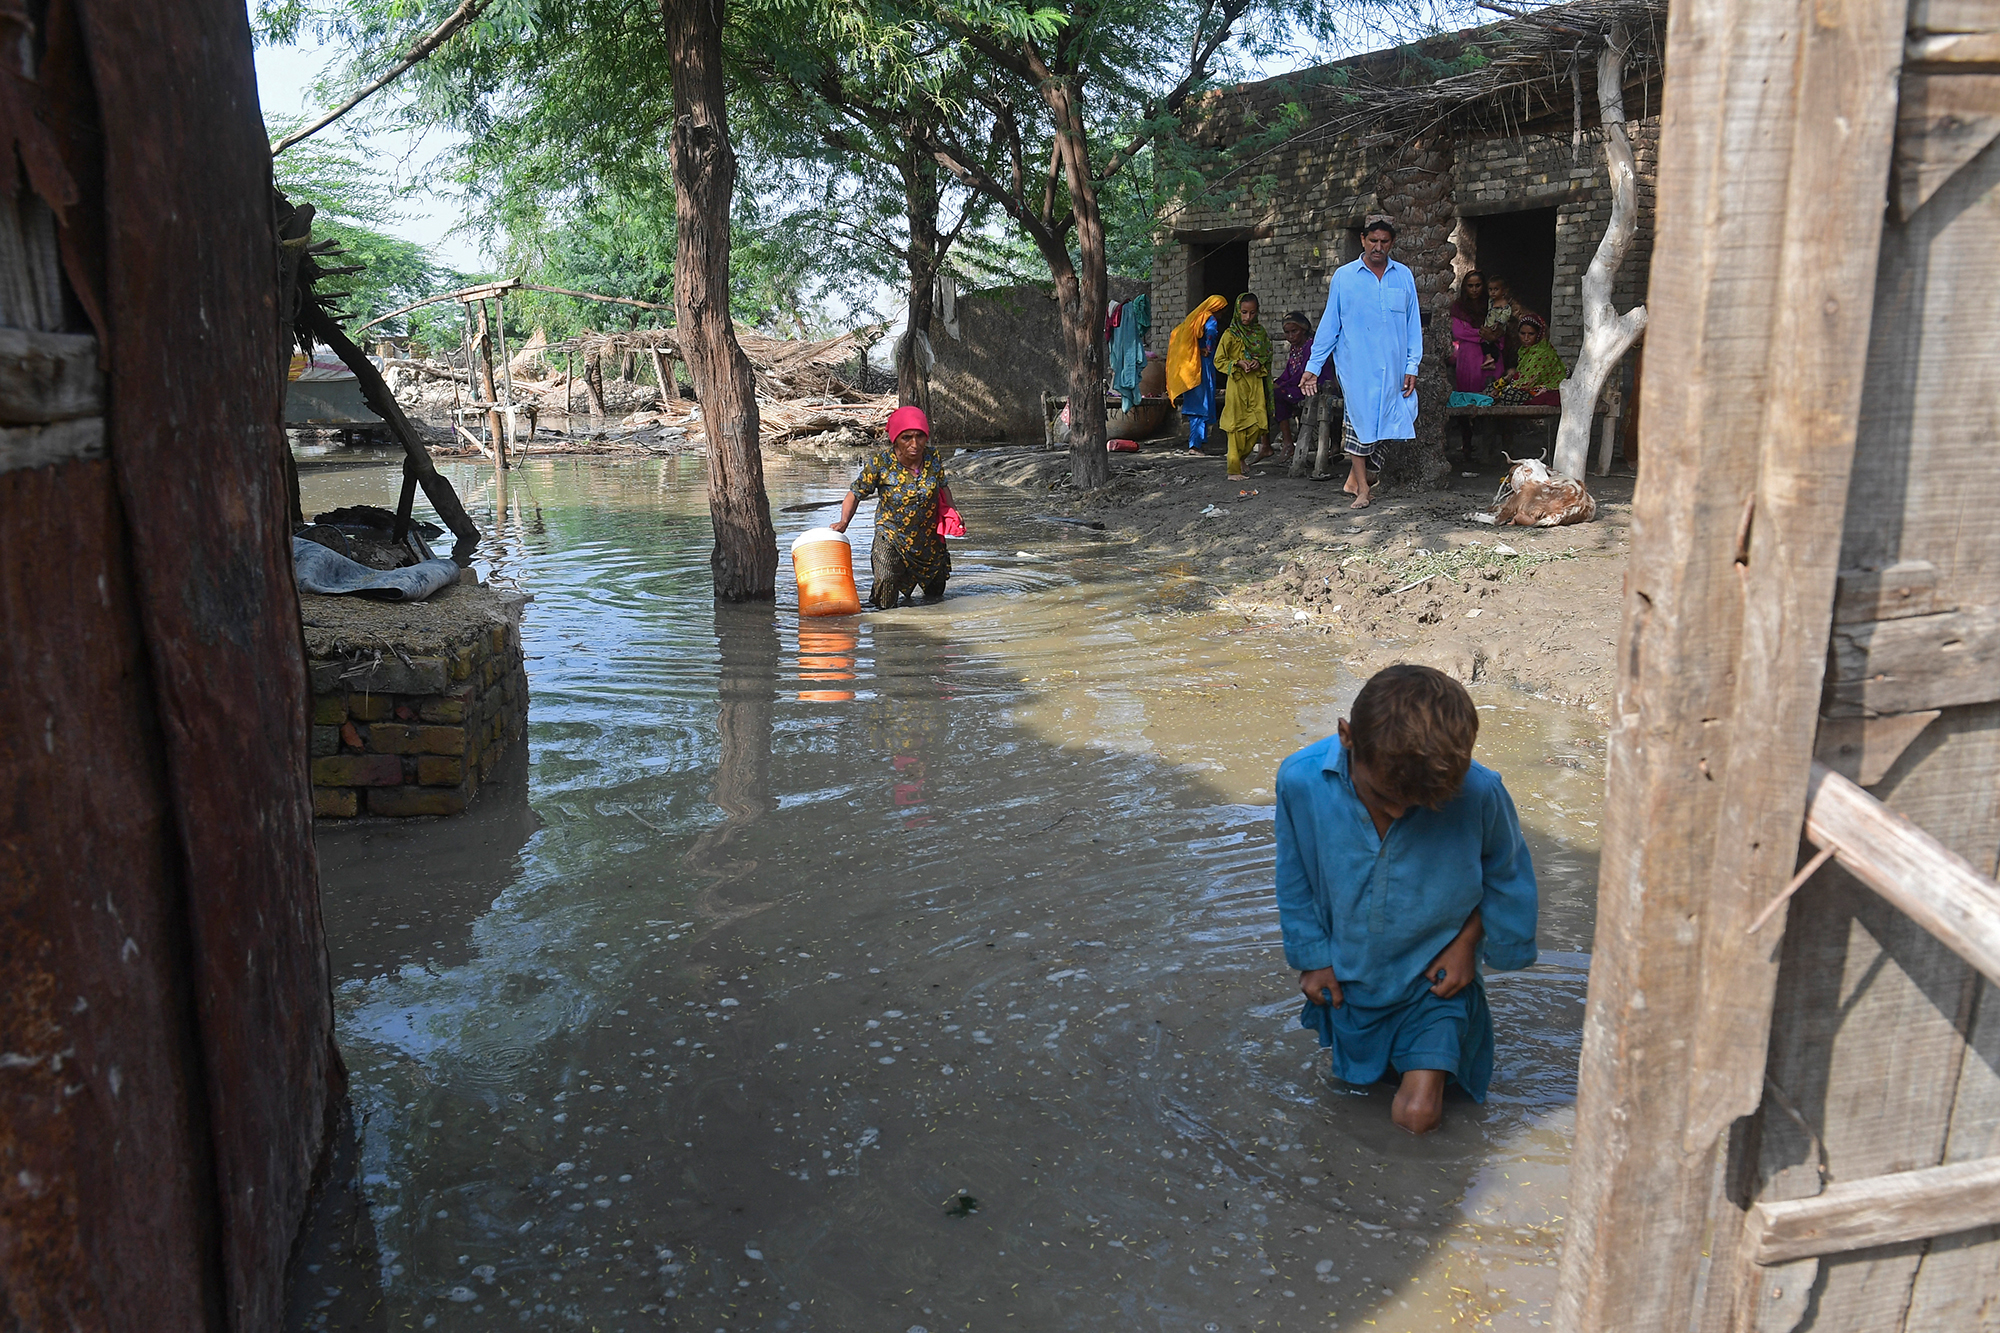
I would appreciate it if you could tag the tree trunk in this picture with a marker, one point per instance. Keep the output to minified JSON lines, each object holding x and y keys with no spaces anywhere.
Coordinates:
{"x":1080,"y":294}
{"x":920,"y":195}
{"x":628,"y":366}
{"x":593,"y":386}
{"x":745,"y":559}
{"x":1606,"y":334}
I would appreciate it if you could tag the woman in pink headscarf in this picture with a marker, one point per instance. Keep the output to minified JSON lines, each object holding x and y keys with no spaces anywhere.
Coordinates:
{"x":909,"y":551}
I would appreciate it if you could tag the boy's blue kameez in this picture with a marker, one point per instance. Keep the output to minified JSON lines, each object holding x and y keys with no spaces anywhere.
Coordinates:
{"x":1378,"y":910}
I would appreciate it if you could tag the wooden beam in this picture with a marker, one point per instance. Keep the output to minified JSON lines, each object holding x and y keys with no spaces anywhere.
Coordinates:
{"x":375,"y":391}
{"x":1927,"y":881}
{"x":1864,"y":749}
{"x":1906,"y":588}
{"x":1916,"y":663}
{"x":429,"y":42}
{"x":508,"y":285}
{"x":475,"y":293}
{"x":1845,"y":122}
{"x":48,"y":377}
{"x":1887,"y":1210}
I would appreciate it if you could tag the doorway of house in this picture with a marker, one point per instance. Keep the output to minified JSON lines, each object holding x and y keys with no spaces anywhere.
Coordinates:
{"x":1220,"y":268}
{"x":1520,"y":247}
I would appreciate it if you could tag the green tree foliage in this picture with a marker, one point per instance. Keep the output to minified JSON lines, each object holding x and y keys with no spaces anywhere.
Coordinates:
{"x":353,"y":200}
{"x":565,"y":110}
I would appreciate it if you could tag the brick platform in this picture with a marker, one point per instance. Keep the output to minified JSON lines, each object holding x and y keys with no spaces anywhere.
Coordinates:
{"x":413,"y":703}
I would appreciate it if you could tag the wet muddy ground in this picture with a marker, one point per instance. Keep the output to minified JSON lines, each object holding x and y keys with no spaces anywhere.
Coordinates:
{"x":914,"y":971}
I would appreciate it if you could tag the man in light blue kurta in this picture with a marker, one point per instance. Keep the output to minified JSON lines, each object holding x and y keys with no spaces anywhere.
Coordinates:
{"x":1374,"y":332}
{"x":1378,"y":910}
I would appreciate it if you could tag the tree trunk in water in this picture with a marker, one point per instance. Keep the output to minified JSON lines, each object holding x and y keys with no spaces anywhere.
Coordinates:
{"x":920,"y":195}
{"x":1080,"y":293}
{"x":745,"y":559}
{"x":1606,"y":334}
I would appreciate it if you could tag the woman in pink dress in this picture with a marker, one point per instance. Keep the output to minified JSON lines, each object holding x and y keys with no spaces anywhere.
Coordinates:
{"x":1475,"y":352}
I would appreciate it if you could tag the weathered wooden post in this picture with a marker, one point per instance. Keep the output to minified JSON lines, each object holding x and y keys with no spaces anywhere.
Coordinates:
{"x":1782,"y":1105}
{"x":493,"y":425}
{"x":660,"y":373}
{"x":171,"y":1084}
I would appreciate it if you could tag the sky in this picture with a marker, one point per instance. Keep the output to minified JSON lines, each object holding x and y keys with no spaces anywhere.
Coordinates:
{"x":285,"y":75}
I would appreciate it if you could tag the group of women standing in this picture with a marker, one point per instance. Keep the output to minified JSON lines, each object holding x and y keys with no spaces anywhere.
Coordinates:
{"x":1227,"y":377}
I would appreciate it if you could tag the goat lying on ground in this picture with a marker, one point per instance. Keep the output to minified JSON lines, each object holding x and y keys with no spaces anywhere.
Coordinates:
{"x":1534,"y":497}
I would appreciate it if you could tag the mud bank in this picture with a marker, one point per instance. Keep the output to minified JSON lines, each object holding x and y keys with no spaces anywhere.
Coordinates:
{"x":1407,"y":579}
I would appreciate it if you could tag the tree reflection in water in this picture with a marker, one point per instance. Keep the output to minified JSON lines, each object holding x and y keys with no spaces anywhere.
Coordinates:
{"x":746,"y":638}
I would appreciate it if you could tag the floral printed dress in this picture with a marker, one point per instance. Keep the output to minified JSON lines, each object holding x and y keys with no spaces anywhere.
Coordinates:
{"x":908,"y":551}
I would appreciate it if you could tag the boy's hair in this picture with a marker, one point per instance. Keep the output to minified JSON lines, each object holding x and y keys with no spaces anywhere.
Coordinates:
{"x":1414,"y":727}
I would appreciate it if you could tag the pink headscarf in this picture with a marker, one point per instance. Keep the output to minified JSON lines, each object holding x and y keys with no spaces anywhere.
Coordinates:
{"x":908,"y":418}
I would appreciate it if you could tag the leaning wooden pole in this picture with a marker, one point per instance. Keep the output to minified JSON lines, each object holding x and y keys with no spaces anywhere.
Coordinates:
{"x":383,"y":403}
{"x":1606,"y":333}
{"x":745,"y":558}
{"x":1776,"y":122}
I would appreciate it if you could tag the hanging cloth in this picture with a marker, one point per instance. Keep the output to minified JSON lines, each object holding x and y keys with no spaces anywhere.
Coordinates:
{"x":945,"y":290}
{"x":1128,"y":348}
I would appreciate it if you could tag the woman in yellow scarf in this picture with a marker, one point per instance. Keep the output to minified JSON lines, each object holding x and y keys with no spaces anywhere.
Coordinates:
{"x":1244,"y":355}
{"x":1191,"y":368}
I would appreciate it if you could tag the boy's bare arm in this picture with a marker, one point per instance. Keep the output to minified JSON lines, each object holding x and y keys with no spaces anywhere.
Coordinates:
{"x":1452,"y":971}
{"x":1320,"y":980}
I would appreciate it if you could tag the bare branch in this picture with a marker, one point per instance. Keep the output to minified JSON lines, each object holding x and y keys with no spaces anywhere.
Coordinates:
{"x":467,"y":11}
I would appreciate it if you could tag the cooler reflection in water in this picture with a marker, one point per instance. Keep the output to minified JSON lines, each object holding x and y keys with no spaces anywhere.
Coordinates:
{"x":826,"y":652}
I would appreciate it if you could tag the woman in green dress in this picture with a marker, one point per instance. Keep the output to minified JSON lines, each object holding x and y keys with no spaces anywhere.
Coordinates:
{"x":908,"y":552}
{"x":1539,"y":368}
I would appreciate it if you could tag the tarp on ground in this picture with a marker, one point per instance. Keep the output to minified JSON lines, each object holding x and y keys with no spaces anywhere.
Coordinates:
{"x":320,"y":569}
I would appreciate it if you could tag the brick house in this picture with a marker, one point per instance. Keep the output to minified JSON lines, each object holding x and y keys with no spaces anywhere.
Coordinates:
{"x":1483,"y":146}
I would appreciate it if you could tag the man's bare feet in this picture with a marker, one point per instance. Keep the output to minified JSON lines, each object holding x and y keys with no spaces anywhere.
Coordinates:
{"x":1361,"y":501}
{"x":1419,"y":1105}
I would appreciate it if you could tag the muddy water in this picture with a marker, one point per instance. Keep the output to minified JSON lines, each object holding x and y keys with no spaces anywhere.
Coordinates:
{"x":912,"y":971}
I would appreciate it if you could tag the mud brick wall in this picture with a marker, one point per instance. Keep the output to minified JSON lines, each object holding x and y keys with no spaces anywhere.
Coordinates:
{"x":401,"y":734}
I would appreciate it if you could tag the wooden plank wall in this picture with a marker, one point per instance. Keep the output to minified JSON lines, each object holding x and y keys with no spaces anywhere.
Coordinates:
{"x":1774,"y":116}
{"x":1789,"y":131}
{"x":1885,"y":1042}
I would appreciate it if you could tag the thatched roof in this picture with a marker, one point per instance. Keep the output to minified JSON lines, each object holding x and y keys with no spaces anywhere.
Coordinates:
{"x":1523,"y":72}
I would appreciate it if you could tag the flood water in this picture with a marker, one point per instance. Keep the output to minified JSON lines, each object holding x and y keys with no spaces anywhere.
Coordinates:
{"x":917,"y":971}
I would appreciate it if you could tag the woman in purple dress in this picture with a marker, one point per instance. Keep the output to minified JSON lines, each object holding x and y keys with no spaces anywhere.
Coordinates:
{"x":1299,"y":334}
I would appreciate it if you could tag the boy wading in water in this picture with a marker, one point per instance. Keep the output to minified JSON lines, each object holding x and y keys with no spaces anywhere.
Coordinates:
{"x":1397,"y":858}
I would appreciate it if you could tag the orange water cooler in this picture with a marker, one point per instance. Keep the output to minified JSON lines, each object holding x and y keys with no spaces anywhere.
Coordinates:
{"x":823,"y":563}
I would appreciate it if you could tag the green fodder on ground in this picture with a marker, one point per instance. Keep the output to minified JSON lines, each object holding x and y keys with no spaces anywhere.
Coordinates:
{"x":1460,"y":564}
